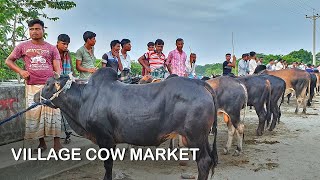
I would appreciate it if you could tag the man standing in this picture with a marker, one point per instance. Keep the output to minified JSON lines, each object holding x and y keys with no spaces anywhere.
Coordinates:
{"x":270,"y":66}
{"x":309,"y":68}
{"x":85,"y":58}
{"x":41,"y":61}
{"x":252,"y":62}
{"x":260,"y":61}
{"x":279,"y":65}
{"x":243,"y":65}
{"x":176,"y":61}
{"x":150,"y":46}
{"x":191,"y":66}
{"x":228,"y":65}
{"x":124,"y":56}
{"x":125,"y":61}
{"x":156,"y":58}
{"x":62,"y":46}
{"x":111,"y":59}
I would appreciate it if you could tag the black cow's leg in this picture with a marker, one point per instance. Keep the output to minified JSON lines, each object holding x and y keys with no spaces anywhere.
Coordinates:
{"x":279,"y":116}
{"x":204,"y":161}
{"x":262,"y":117}
{"x":289,"y":96}
{"x":108,"y":164}
{"x":275,"y":113}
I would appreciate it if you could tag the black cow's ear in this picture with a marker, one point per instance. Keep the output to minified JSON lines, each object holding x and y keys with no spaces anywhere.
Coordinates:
{"x":57,"y":85}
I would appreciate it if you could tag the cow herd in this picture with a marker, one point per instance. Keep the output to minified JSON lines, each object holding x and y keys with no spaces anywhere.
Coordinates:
{"x":109,"y":112}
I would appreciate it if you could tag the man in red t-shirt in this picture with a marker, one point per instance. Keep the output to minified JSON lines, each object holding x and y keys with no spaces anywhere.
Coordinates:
{"x":41,"y":61}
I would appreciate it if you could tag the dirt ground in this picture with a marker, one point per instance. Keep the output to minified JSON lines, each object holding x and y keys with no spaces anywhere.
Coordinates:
{"x":291,"y":151}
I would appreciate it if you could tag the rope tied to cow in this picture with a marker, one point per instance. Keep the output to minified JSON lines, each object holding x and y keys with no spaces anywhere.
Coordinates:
{"x":44,"y":102}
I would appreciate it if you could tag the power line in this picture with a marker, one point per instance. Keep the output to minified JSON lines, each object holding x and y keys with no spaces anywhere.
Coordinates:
{"x":305,"y":3}
{"x":292,"y":11}
{"x":298,"y":4}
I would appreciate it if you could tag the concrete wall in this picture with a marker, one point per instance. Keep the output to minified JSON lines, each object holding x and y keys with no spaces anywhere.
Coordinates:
{"x":12,"y":100}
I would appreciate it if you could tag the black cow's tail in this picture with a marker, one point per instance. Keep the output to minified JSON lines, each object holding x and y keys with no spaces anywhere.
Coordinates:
{"x":282,"y":100}
{"x":309,"y":97}
{"x":214,"y":151}
{"x":268,"y":104}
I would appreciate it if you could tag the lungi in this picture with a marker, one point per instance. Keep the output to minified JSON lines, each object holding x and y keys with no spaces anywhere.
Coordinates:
{"x":41,"y":121}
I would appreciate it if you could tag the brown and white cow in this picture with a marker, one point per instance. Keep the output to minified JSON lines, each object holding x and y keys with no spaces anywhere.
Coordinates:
{"x":296,"y":80}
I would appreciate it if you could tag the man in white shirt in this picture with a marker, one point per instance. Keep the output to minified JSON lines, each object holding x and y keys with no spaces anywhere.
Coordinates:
{"x":124,"y":56}
{"x":191,"y":66}
{"x":252,"y":62}
{"x":270,"y":66}
{"x":279,"y":65}
{"x":125,"y":61}
{"x":243,"y":68}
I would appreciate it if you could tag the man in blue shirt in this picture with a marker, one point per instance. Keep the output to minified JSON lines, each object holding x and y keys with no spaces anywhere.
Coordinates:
{"x":309,"y":68}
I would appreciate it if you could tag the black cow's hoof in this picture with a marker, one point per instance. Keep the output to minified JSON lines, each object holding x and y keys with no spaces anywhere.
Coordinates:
{"x":259,"y":133}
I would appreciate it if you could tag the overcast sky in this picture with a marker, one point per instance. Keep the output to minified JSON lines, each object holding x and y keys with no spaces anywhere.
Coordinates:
{"x":270,"y":27}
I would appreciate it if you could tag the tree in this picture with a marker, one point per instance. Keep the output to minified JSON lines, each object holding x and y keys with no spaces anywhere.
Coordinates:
{"x":14,"y":15}
{"x":267,"y":58}
{"x":302,"y":55}
{"x":136,"y":68}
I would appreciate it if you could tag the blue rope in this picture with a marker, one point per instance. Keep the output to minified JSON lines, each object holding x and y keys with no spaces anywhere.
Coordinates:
{"x":22,"y":112}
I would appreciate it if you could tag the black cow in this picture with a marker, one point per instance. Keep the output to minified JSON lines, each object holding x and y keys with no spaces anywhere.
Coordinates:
{"x":109,"y":112}
{"x":231,"y":98}
{"x":313,"y":84}
{"x":259,"y":95}
{"x":278,"y":87}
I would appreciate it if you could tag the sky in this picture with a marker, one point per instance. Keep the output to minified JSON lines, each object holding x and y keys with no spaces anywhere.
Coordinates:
{"x":269,"y":27}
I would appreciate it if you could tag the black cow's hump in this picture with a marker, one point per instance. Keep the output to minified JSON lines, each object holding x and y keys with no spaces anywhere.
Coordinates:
{"x":260,"y":68}
{"x":104,"y":74}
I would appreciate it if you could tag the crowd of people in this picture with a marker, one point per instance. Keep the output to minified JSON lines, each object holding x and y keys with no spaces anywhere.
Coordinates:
{"x":43,"y":60}
{"x":153,"y":62}
{"x":249,"y":62}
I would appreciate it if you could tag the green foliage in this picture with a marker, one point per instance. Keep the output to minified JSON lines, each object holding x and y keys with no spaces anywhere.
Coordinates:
{"x":302,"y":55}
{"x":214,"y":69}
{"x":136,"y":68}
{"x":267,"y":58}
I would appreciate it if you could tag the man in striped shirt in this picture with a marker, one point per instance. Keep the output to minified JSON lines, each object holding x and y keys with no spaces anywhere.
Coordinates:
{"x":156,"y":60}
